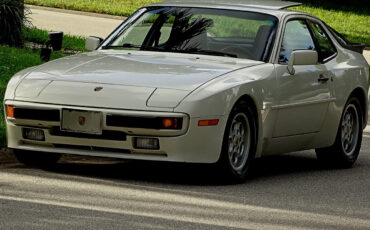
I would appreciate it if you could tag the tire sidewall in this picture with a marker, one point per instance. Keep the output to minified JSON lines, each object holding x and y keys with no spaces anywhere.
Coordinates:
{"x":353,"y":157}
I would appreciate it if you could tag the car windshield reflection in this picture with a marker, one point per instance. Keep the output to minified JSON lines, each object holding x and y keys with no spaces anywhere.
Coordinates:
{"x":199,"y":31}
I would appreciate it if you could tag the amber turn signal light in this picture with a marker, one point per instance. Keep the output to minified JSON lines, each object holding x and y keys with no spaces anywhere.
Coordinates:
{"x":213,"y":122}
{"x":170,"y":123}
{"x":10,"y":111}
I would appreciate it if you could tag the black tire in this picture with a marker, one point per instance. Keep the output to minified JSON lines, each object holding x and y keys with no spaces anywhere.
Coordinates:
{"x":36,"y":159}
{"x":230,"y":166}
{"x":346,"y":148}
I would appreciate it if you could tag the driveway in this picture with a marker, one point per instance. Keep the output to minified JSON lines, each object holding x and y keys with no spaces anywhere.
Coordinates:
{"x":73,"y":22}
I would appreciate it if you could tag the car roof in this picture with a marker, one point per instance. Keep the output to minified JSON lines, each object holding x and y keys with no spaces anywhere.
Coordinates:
{"x":272,"y":7}
{"x":263,"y":4}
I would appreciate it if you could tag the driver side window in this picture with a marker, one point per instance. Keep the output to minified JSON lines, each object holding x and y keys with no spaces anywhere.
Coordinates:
{"x":296,"y":37}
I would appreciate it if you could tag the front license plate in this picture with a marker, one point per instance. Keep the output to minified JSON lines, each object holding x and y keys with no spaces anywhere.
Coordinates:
{"x":81,"y":121}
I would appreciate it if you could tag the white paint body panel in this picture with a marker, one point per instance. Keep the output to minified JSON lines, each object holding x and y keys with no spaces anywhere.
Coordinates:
{"x":295,"y":112}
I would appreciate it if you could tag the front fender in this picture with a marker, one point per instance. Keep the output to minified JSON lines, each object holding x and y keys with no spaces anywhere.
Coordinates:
{"x":218,"y":97}
{"x":15,"y":81}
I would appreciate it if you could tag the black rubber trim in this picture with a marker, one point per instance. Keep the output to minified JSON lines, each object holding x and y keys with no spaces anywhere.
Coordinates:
{"x":92,"y":148}
{"x":139,"y":122}
{"x":36,"y":114}
{"x":107,"y":135}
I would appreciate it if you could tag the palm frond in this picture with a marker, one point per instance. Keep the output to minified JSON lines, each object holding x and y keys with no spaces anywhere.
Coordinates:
{"x":13,"y":17}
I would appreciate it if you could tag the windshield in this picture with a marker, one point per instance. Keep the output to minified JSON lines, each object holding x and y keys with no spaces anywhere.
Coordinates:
{"x":216,"y":32}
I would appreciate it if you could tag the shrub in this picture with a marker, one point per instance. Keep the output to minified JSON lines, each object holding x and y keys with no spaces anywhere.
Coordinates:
{"x":12,"y":19}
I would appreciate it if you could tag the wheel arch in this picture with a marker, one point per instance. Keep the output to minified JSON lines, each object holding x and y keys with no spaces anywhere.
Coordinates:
{"x":360,"y":94}
{"x":252,"y":102}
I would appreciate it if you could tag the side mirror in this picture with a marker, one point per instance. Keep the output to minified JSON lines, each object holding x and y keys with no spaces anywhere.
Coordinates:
{"x":92,"y":43}
{"x":302,"y":57}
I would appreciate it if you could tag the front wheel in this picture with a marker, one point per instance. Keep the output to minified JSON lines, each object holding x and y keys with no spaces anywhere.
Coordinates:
{"x":239,"y":144}
{"x":36,"y":159}
{"x":345,"y":151}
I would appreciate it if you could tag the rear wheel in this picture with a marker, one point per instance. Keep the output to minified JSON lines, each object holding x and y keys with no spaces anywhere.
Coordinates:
{"x":36,"y":159}
{"x":346,"y":148}
{"x":239,"y":144}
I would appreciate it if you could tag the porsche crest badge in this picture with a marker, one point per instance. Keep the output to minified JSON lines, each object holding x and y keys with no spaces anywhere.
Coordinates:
{"x":81,"y":120}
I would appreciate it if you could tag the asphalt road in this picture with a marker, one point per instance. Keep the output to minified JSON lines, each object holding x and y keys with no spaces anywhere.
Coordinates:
{"x":284,"y":192}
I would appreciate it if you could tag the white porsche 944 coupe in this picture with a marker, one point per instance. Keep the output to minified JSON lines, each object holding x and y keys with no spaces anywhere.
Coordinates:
{"x":201,"y":82}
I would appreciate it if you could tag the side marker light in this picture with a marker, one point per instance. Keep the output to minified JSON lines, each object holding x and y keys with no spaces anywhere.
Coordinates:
{"x":213,"y":122}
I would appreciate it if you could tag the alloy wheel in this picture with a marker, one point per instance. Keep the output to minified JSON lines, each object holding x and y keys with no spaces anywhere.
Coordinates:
{"x":239,"y":141}
{"x":350,"y":128}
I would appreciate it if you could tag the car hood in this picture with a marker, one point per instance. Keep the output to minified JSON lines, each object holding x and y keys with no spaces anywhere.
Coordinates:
{"x":109,"y":78}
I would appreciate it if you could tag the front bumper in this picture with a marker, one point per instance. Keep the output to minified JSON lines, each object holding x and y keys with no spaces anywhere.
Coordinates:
{"x":191,"y":144}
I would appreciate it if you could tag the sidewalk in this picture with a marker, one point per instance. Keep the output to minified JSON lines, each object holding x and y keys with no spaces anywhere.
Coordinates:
{"x":82,"y":23}
{"x":367,"y":55}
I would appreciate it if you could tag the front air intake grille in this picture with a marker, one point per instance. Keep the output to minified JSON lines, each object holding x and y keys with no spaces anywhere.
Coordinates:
{"x":36,"y":114}
{"x":92,"y":148}
{"x":107,"y":135}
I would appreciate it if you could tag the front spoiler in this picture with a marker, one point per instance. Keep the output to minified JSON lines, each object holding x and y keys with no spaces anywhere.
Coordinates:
{"x":195,"y":145}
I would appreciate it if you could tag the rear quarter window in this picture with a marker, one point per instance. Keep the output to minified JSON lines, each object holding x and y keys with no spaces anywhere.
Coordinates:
{"x":326,"y":47}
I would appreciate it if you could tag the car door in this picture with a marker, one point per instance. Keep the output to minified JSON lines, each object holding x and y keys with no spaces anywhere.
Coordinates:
{"x":304,"y":97}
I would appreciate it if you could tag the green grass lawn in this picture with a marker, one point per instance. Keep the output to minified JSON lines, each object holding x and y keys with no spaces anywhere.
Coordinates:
{"x":354,"y":26}
{"x":114,"y":7}
{"x":13,"y":60}
{"x":41,"y":36}
{"x":353,"y":22}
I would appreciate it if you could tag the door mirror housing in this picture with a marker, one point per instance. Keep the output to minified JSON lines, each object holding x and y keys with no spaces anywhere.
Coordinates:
{"x":302,"y":57}
{"x":92,"y":43}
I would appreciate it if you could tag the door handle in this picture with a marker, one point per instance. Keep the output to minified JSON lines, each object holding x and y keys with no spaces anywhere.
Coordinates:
{"x":323,"y":79}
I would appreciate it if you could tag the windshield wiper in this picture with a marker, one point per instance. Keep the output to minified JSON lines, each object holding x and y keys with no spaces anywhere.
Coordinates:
{"x":210,"y":52}
{"x":161,"y":49}
{"x":126,"y":45}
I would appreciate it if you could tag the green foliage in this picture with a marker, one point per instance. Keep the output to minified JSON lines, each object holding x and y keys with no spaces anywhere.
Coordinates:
{"x":74,"y":43}
{"x":35,"y":35}
{"x":11,"y":21}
